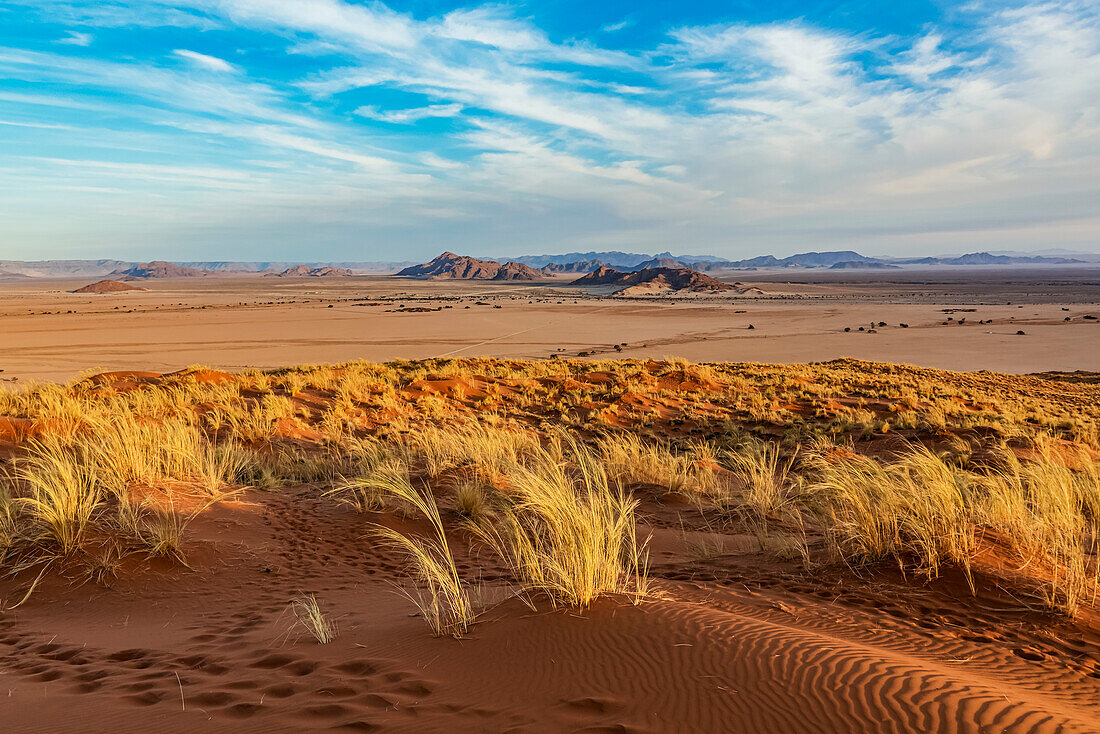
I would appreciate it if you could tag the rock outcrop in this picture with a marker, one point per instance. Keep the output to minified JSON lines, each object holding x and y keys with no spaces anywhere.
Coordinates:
{"x":450,"y":266}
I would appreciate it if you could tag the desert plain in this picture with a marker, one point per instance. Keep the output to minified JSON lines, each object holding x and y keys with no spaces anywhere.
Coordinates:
{"x":239,"y":323}
{"x":362,"y":504}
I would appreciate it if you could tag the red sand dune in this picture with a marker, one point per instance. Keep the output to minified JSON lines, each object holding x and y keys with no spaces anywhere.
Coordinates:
{"x":735,"y":644}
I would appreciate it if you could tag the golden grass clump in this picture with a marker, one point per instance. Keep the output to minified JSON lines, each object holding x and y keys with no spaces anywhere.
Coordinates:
{"x":1048,"y":513}
{"x":117,"y":474}
{"x":923,"y":512}
{"x":914,"y":510}
{"x":441,"y":595}
{"x":160,"y":528}
{"x":628,"y":459}
{"x":491,"y":449}
{"x":767,"y":487}
{"x":565,"y":532}
{"x":64,"y":491}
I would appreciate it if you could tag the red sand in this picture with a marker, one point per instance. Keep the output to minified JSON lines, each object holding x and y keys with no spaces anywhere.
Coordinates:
{"x":737,"y":643}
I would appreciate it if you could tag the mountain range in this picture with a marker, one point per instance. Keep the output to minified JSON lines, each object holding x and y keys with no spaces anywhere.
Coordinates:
{"x":568,"y":263}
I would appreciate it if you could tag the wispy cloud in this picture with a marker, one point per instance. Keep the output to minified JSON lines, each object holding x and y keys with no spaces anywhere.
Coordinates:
{"x":76,"y":38}
{"x":212,"y":63}
{"x":409,"y":115}
{"x":616,"y":27}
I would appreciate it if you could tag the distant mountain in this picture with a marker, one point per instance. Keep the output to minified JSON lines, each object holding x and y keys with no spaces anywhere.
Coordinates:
{"x":653,"y":280}
{"x":613,"y":258}
{"x":573,"y":262}
{"x":62,"y":268}
{"x":230,"y":266}
{"x":159,"y":269}
{"x":632,"y":261}
{"x":1081,"y":255}
{"x":985,"y":258}
{"x":863,"y":265}
{"x":220,"y":266}
{"x":579,"y":266}
{"x":659,"y":262}
{"x":693,"y":258}
{"x":305,"y":271}
{"x":460,"y":267}
{"x":802,"y":260}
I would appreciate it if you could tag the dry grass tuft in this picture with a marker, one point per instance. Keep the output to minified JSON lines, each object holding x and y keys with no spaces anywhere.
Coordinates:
{"x":308,"y":615}
{"x":441,"y":595}
{"x":566,"y":532}
{"x":64,"y":491}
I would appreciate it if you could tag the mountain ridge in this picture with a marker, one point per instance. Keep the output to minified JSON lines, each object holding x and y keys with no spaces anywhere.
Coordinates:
{"x":449,"y":266}
{"x":653,"y":280}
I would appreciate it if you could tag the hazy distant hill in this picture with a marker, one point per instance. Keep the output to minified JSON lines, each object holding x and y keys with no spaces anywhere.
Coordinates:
{"x":62,"y":268}
{"x":612,"y":258}
{"x":1088,"y":257}
{"x":304,"y":271}
{"x":863,"y":265}
{"x":634,"y":261}
{"x":219,"y":266}
{"x":985,"y":258}
{"x":578,"y":266}
{"x":659,"y":262}
{"x":159,"y":269}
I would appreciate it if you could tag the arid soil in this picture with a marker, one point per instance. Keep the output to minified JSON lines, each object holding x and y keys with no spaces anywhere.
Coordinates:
{"x":237,"y":323}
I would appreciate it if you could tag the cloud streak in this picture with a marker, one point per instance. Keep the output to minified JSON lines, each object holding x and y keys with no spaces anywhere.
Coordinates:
{"x":212,"y":63}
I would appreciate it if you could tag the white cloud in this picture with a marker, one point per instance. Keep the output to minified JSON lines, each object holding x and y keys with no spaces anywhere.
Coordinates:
{"x":122,"y":13}
{"x":212,"y":63}
{"x":37,"y":125}
{"x":615,"y":27}
{"x":372,"y":26}
{"x":490,"y":26}
{"x":409,"y":115}
{"x":76,"y":38}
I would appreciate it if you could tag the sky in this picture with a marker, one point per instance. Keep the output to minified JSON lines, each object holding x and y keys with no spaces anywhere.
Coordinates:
{"x":340,"y":130}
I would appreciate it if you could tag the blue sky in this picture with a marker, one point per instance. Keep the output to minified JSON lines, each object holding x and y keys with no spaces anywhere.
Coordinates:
{"x":341,"y":130}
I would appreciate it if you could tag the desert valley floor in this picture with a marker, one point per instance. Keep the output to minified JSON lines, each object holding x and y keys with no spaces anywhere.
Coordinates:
{"x":239,"y":323}
{"x":774,"y":566}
